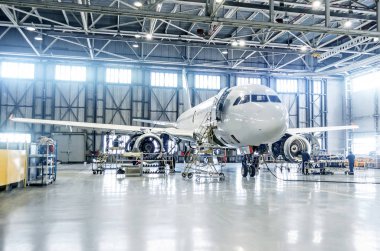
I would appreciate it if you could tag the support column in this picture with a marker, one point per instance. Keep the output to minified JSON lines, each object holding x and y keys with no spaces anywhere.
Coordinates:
{"x":271,"y":11}
{"x":378,"y":14}
{"x":327,"y":13}
{"x":349,"y":134}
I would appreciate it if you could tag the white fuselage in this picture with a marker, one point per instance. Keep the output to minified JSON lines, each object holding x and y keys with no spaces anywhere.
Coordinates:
{"x":258,"y":118}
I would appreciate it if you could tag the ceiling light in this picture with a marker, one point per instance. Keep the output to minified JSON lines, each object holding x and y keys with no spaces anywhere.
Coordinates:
{"x":225,"y":52}
{"x":242,"y":43}
{"x":234,"y":43}
{"x":347,"y":24}
{"x":38,"y":37}
{"x":316,"y":4}
{"x":30,"y":28}
{"x":149,"y":36}
{"x":375,"y":39}
{"x":137,"y":36}
{"x":135,"y":46}
{"x":137,"y":4}
{"x":303,"y":48}
{"x":218,"y":1}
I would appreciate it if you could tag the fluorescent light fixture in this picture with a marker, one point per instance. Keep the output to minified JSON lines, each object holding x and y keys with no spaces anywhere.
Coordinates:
{"x":347,"y":24}
{"x":225,"y":52}
{"x":303,"y":48}
{"x":138,"y":4}
{"x":31,"y":28}
{"x":135,"y":46}
{"x":316,"y":4}
{"x":218,"y":1}
{"x":234,"y":43}
{"x":242,"y":43}
{"x":149,"y":36}
{"x":137,"y":36}
{"x":38,"y":37}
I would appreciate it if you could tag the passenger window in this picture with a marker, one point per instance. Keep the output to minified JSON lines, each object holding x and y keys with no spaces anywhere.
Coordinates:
{"x":274,"y":99}
{"x":237,"y":101}
{"x":259,"y":98}
{"x":245,"y":99}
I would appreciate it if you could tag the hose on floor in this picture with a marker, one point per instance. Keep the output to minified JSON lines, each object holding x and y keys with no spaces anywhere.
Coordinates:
{"x":322,"y":181}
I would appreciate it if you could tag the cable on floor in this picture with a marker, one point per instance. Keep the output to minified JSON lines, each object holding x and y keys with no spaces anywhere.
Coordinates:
{"x":322,"y":181}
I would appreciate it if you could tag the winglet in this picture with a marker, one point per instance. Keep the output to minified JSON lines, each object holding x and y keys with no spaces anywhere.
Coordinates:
{"x":11,"y":117}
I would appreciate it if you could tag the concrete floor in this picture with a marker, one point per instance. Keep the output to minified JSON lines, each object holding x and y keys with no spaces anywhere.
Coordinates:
{"x":82,"y":211}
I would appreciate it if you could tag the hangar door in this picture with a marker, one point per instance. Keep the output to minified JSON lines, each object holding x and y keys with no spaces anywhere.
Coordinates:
{"x":70,"y":147}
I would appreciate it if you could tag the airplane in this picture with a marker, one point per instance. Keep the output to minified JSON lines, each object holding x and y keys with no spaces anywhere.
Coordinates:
{"x":250,"y":116}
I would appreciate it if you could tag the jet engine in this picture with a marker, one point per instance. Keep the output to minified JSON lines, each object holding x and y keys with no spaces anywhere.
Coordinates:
{"x":149,"y":144}
{"x":290,"y":147}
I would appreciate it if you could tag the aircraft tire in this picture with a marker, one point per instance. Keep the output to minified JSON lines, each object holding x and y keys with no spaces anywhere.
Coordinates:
{"x":244,"y":171}
{"x":252,"y":171}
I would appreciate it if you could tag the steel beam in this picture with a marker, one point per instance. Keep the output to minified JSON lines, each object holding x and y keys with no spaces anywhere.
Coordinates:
{"x":327,"y":13}
{"x":186,"y":18}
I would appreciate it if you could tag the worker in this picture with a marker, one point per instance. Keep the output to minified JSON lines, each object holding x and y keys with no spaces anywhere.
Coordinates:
{"x":351,"y":162}
{"x":305,"y":158}
{"x":117,"y":141}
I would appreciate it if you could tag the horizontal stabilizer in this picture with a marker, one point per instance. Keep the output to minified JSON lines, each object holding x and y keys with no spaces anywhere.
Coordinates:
{"x":156,"y":122}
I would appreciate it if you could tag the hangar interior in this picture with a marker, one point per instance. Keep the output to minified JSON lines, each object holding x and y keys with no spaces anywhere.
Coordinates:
{"x":115,"y":61}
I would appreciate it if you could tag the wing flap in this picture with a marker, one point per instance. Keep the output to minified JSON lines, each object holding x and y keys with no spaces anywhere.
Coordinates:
{"x":156,"y":122}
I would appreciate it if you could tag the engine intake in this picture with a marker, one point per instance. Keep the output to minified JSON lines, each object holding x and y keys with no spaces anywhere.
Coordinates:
{"x":290,"y":147}
{"x":293,"y":147}
{"x":149,"y":144}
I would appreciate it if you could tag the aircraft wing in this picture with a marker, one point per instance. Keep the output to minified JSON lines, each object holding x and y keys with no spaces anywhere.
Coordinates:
{"x":183,"y":134}
{"x":320,"y":129}
{"x":156,"y":122}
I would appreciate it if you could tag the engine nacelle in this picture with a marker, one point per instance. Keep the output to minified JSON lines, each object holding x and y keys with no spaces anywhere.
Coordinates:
{"x":293,"y":147}
{"x":149,"y":144}
{"x":290,"y":147}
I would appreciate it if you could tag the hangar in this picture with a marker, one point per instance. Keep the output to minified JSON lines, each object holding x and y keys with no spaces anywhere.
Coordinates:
{"x":189,"y":125}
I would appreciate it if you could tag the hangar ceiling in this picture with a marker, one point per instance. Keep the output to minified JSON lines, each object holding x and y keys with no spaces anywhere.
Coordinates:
{"x":285,"y":37}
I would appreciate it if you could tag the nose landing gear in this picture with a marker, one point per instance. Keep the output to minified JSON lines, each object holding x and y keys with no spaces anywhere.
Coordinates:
{"x":250,"y":165}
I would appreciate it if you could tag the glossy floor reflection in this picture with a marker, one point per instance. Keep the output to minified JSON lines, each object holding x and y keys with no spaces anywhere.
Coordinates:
{"x":82,"y":211}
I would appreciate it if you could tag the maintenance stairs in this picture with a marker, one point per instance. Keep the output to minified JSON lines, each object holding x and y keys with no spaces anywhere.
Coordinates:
{"x":202,"y":160}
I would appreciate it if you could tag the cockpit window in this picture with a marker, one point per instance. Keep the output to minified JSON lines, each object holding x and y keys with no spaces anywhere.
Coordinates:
{"x":245,"y":99}
{"x":274,"y":99}
{"x":259,"y":98}
{"x":237,"y":101}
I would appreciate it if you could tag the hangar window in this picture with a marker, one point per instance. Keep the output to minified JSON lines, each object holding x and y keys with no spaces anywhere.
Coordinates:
{"x":15,"y":138}
{"x":17,"y":70}
{"x":317,"y":87}
{"x":164,"y":79}
{"x":287,"y":85}
{"x":364,"y":145}
{"x":118,"y":76}
{"x":365,"y":82}
{"x":242,"y":81}
{"x":207,"y":82}
{"x":70,"y":73}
